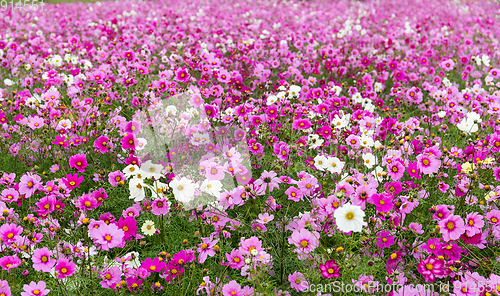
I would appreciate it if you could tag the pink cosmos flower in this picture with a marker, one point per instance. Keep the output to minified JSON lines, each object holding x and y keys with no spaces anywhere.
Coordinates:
{"x":35,"y":289}
{"x":214,"y":171}
{"x":78,"y":161}
{"x":330,"y":269}
{"x":428,"y":164}
{"x":468,"y":287}
{"x":29,"y":184}
{"x":160,"y":207}
{"x":111,"y":277}
{"x":116,"y":178}
{"x":10,"y":262}
{"x":9,"y":232}
{"x":294,"y":193}
{"x":473,"y":223}
{"x":268,"y":179}
{"x":64,"y":268}
{"x":206,"y":248}
{"x":304,"y":240}
{"x":298,"y":281}
{"x":235,"y":259}
{"x":232,"y":289}
{"x":492,"y":216}
{"x":249,"y":244}
{"x":9,"y":195}
{"x":452,"y":227}
{"x":363,"y":193}
{"x":395,"y":170}
{"x":108,"y":236}
{"x":42,"y":261}
{"x":430,"y":268}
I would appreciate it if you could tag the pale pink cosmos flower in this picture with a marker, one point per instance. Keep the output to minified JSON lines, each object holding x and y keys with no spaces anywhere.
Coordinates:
{"x":206,"y":248}
{"x":42,"y":261}
{"x":298,"y":281}
{"x":35,"y":289}
{"x":452,"y":227}
{"x":108,"y":236}
{"x":304,"y":240}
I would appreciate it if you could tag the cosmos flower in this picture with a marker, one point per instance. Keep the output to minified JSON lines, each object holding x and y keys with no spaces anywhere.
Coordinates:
{"x":35,"y":289}
{"x":349,"y":218}
{"x":330,"y":269}
{"x":183,"y":189}
{"x":42,"y":261}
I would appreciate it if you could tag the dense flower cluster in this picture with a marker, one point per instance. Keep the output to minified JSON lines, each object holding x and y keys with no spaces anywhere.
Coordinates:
{"x":250,"y":147}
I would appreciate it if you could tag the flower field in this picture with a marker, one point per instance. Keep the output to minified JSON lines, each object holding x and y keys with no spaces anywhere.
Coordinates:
{"x":250,"y":148}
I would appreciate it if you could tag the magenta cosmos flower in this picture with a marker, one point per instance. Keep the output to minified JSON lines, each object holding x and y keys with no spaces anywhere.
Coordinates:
{"x":72,"y":181}
{"x":64,"y":268}
{"x":41,"y":260}
{"x":102,"y":144}
{"x":10,"y":262}
{"x":153,"y":265}
{"x":385,"y":239}
{"x":78,"y":161}
{"x":383,"y":202}
{"x":129,"y":141}
{"x":35,"y":289}
{"x":330,"y":269}
{"x":129,"y":227}
{"x":301,"y":124}
{"x":430,"y":268}
{"x":452,"y":227}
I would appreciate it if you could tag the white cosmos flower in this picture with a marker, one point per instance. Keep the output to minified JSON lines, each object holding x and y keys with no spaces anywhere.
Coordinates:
{"x":212,"y":187}
{"x":294,"y":90}
{"x":136,"y":187}
{"x":271,"y":100}
{"x":320,"y":162}
{"x":467,"y":125}
{"x":148,"y":228}
{"x":130,"y":170}
{"x":369,"y":160}
{"x":334,"y":165}
{"x":349,"y":218}
{"x":149,"y":169}
{"x":366,"y":140}
{"x":183,"y":189}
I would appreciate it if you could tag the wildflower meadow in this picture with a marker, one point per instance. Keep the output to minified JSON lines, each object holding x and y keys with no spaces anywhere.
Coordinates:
{"x":250,"y":147}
